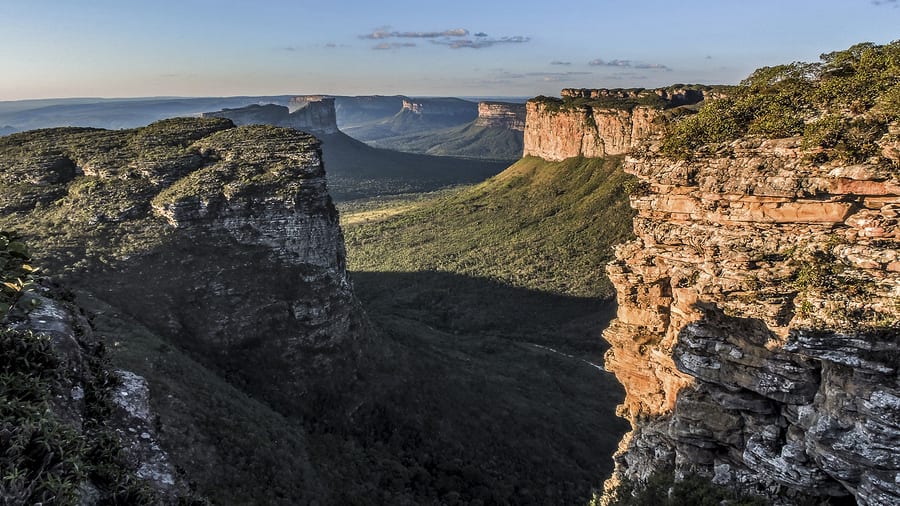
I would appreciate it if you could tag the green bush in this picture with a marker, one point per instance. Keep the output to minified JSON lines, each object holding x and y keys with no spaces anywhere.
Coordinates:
{"x":841,"y":104}
{"x":661,"y":489}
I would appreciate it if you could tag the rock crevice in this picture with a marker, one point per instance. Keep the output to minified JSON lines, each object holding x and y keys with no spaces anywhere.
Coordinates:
{"x":757,"y":326}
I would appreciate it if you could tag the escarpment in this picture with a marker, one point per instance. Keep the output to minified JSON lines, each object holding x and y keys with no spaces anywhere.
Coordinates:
{"x":309,"y":113}
{"x":758,"y":322}
{"x":501,"y":115}
{"x":221,"y":239}
{"x":598,"y":123}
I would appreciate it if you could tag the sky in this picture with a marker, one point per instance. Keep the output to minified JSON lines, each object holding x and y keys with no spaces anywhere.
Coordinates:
{"x":134,"y":48}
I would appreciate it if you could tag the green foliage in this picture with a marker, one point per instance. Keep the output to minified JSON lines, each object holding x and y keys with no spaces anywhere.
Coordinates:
{"x":16,"y":274}
{"x":661,"y":489}
{"x":539,"y":225}
{"x":41,"y":458}
{"x":842,"y":104}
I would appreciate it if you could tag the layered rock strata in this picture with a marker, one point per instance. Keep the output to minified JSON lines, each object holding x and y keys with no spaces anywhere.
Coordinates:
{"x":758,"y":323}
{"x":554,"y":133}
{"x":501,"y":115}
{"x":309,"y":113}
{"x":223,"y":240}
{"x":449,"y":108}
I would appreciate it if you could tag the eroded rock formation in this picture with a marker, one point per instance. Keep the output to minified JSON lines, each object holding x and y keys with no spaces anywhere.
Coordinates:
{"x":502,"y":115}
{"x":309,"y":113}
{"x":222,"y":239}
{"x":758,"y":323}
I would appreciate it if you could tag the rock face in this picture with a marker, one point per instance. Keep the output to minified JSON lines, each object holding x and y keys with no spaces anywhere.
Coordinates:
{"x":79,"y":402}
{"x":222,"y":239}
{"x":555,"y":135}
{"x":600,"y":122}
{"x":309,"y":113}
{"x":450,"y":109}
{"x":758,"y":323}
{"x":501,"y":115}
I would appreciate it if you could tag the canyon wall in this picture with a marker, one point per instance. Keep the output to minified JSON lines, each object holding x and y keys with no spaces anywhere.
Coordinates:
{"x":555,"y":133}
{"x":758,"y":323}
{"x":600,"y":122}
{"x":449,"y":108}
{"x":222,"y":239}
{"x":501,"y":115}
{"x":309,"y":113}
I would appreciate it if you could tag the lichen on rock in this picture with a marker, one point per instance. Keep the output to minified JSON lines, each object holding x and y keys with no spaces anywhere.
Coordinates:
{"x":757,"y":326}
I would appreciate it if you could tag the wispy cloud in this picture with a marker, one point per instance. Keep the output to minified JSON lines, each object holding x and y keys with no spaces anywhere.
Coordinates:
{"x":385,"y":33}
{"x":481,"y":42}
{"x":627,"y":64}
{"x":455,"y":38}
{"x":393,"y":45}
{"x":886,"y":2}
{"x":558,"y":62}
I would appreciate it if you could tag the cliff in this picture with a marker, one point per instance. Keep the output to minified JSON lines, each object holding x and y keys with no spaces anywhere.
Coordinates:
{"x":222,"y":239}
{"x":501,"y":115}
{"x":600,"y":122}
{"x":757,"y":324}
{"x":448,"y":109}
{"x":309,"y":113}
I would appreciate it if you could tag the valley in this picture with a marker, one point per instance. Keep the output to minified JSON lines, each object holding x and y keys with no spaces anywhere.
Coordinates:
{"x":676,"y":295}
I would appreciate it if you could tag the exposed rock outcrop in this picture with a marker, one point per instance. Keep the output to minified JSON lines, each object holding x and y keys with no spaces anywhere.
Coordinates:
{"x":599,"y":122}
{"x":757,"y":330}
{"x":451,"y":109}
{"x":222,"y":239}
{"x":109,"y":411}
{"x":501,"y":115}
{"x":309,"y":113}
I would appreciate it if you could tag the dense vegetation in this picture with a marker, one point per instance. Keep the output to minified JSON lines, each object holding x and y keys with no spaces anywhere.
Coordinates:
{"x":623,"y":98}
{"x":841,"y":105}
{"x":538,"y":225}
{"x":661,"y":489}
{"x":51,"y":450}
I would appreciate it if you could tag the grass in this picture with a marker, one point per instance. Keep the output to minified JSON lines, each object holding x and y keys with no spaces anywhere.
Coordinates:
{"x":467,"y":141}
{"x":538,"y":225}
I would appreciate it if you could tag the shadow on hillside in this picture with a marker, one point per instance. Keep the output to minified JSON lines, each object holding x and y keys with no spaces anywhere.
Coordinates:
{"x":470,"y":403}
{"x":463,"y":304}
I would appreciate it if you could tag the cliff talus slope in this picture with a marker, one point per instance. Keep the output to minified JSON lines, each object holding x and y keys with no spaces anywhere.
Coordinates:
{"x":758,"y":322}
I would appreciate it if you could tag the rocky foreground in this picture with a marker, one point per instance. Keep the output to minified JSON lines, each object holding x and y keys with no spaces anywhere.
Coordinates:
{"x":757,"y":330}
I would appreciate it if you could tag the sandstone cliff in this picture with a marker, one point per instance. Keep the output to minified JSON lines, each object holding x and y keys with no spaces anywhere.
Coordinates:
{"x":501,"y":115}
{"x":450,"y":109}
{"x":757,"y":325}
{"x":222,"y":239}
{"x":309,"y":113}
{"x":598,"y":123}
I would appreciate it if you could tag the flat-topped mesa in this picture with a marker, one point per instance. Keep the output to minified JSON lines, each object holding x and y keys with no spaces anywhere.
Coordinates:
{"x":311,"y":113}
{"x":757,"y":325}
{"x":462,"y":110}
{"x":222,"y":239}
{"x":599,"y":122}
{"x":501,"y":114}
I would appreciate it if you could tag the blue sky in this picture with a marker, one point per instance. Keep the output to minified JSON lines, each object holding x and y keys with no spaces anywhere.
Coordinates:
{"x":126,"y":48}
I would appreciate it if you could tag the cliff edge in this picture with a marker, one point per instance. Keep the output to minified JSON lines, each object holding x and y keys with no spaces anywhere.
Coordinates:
{"x":594,"y":123}
{"x":758,"y":323}
{"x":223,"y":239}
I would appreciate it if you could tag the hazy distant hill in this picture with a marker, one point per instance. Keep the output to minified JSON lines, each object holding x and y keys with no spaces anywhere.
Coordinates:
{"x":417,"y":115}
{"x":115,"y":113}
{"x":357,"y":170}
{"x":355,"y":111}
{"x":469,"y":141}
